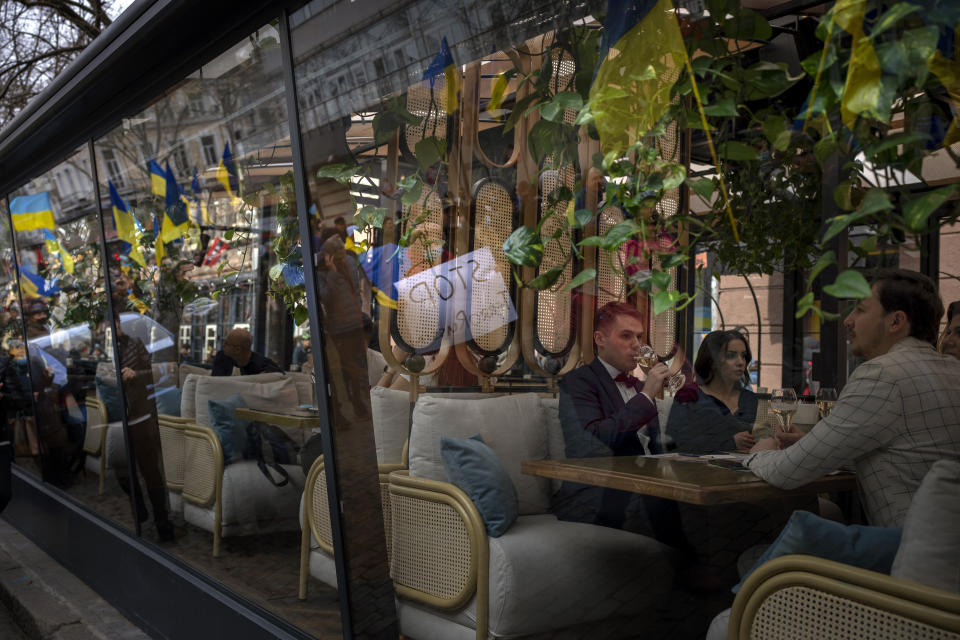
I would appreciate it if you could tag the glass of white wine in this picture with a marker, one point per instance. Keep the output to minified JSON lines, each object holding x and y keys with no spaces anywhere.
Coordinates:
{"x":826,"y":398}
{"x":647,"y":358}
{"x":784,"y":404}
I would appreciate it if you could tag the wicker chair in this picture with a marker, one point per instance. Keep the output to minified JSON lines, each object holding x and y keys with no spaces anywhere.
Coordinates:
{"x":173,"y":446}
{"x":102,"y":441}
{"x":806,"y":597}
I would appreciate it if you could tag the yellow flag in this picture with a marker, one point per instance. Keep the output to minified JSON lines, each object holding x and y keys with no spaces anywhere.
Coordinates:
{"x":632,"y":87}
{"x":862,"y":88}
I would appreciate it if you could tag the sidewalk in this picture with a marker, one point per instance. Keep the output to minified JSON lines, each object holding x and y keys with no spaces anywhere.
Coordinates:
{"x":50,"y":603}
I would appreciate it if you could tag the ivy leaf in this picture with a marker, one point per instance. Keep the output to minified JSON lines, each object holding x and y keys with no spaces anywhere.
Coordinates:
{"x":391,"y":117}
{"x":916,"y":212}
{"x":722,"y":108}
{"x":557,"y":107}
{"x":663,"y":300}
{"x":892,"y":142}
{"x":849,"y":285}
{"x":894,"y":15}
{"x":704,"y":187}
{"x":524,"y":247}
{"x":661,"y":279}
{"x":581,"y":218}
{"x":228,"y":235}
{"x":733,"y":150}
{"x":546,"y":280}
{"x":342,"y":173}
{"x":429,"y":152}
{"x":745,"y":24}
{"x":776,"y":131}
{"x":300,"y":315}
{"x":412,"y":194}
{"x":584,"y":276}
{"x":875,"y":200}
{"x":804,"y":305}
{"x":618,"y":234}
{"x":825,"y":261}
{"x":674,"y":175}
{"x":370,"y":216}
{"x":545,"y":138}
{"x":276,"y":271}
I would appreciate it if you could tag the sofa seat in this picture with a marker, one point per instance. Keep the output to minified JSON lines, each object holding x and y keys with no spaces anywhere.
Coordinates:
{"x":250,"y":503}
{"x":616,"y":574}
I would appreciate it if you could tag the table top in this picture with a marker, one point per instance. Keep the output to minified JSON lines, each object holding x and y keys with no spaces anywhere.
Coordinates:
{"x":695,"y":482}
{"x":279,"y":419}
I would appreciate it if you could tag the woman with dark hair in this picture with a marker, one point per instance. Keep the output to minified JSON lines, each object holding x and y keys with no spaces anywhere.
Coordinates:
{"x":950,"y":342}
{"x":721,"y":417}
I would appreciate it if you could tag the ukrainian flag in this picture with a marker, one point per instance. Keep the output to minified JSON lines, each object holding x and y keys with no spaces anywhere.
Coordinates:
{"x":32,"y":212}
{"x":381,"y":265}
{"x":127,"y":226}
{"x":158,"y":179}
{"x":32,"y":285}
{"x":54,"y":247}
{"x":443,"y":63}
{"x":200,"y":214}
{"x":175,"y":221}
{"x":227,"y":173}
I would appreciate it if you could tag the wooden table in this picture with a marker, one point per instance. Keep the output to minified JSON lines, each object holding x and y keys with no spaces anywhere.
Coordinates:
{"x":686,"y":481}
{"x":279,"y":419}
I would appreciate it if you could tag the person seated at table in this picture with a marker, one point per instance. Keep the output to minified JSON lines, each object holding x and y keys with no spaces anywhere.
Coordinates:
{"x":950,"y":343}
{"x":236,"y":352}
{"x":605,"y":411}
{"x":721,"y":367}
{"x":898,"y":413}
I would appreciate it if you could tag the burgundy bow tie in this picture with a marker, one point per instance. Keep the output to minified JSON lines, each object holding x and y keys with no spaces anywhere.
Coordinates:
{"x":626,"y":378}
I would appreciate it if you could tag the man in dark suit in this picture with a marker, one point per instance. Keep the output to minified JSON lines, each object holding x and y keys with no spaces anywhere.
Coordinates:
{"x":605,"y":411}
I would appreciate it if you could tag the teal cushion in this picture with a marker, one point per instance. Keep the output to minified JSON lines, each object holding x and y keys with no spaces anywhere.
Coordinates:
{"x":475,"y":468}
{"x":168,"y":400}
{"x":110,"y":397}
{"x":231,"y":431}
{"x":861,"y":546}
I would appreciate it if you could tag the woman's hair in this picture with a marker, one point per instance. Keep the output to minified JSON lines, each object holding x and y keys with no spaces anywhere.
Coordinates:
{"x":711,"y":353}
{"x":953,"y":310}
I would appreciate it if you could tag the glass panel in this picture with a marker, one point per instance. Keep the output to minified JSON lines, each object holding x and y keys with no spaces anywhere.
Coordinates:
{"x":204,"y":260}
{"x":78,"y":411}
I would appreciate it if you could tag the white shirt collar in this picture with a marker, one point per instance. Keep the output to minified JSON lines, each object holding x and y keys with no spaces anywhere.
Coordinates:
{"x":612,"y":370}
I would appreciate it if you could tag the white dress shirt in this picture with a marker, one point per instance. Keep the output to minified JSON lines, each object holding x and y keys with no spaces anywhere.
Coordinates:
{"x":628,"y":392}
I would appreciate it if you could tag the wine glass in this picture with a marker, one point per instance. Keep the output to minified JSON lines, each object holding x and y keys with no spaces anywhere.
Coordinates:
{"x":826,"y":397}
{"x":646,"y":359}
{"x":784,"y":404}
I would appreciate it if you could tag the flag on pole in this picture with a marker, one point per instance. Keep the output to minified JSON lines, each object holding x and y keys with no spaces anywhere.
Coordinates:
{"x":127,"y":226}
{"x":54,"y":247}
{"x":158,"y":179}
{"x":33,"y":285}
{"x":443,"y":64}
{"x":200,"y":213}
{"x":227,"y":173}
{"x":32,"y":212}
{"x":175,"y":220}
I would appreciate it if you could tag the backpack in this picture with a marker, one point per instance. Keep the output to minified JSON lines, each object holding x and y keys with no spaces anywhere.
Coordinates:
{"x":270,"y":445}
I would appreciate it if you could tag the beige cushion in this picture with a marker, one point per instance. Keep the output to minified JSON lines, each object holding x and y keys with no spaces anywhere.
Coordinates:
{"x":929,"y":551}
{"x":188,"y":396}
{"x":265,"y":391}
{"x":512,"y":426}
{"x":556,"y":448}
{"x":187,"y":369}
{"x":304,"y":386}
{"x":391,"y":422}
{"x":375,"y":365}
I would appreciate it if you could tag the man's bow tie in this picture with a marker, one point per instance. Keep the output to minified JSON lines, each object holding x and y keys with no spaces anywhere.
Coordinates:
{"x":627,"y":379}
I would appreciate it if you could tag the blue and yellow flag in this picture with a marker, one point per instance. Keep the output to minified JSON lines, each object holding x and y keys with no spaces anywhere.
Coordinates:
{"x":227,"y":173}
{"x":175,"y":220}
{"x":32,"y":285}
{"x":443,"y":64}
{"x":127,"y":226}
{"x":158,"y":179}
{"x":381,"y":265}
{"x":644,"y":54}
{"x":32,"y":212}
{"x":54,"y":247}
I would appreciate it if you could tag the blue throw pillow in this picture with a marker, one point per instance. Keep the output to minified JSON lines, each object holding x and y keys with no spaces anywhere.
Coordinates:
{"x":475,"y":468}
{"x":168,"y":400}
{"x":231,"y":431}
{"x":109,"y":395}
{"x":861,"y":546}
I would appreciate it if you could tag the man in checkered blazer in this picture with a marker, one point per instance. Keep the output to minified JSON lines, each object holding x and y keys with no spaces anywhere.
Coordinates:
{"x":899,"y":412}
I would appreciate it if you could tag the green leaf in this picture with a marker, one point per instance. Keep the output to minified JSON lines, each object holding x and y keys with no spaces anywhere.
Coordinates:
{"x":804,"y":305}
{"x":393,"y":114}
{"x":894,"y":15}
{"x":841,"y":195}
{"x":892,"y":142}
{"x":546,"y":280}
{"x":581,"y":218}
{"x":722,"y":108}
{"x":555,"y":109}
{"x":663,"y":300}
{"x":704,"y":187}
{"x":228,"y":235}
{"x":584,"y":276}
{"x":733,"y":150}
{"x":429,"y":152}
{"x":545,"y":138}
{"x":371,"y":216}
{"x":276,"y":271}
{"x":850,"y":284}
{"x":661,"y":279}
{"x":300,"y":315}
{"x":917,"y":210}
{"x":811,"y":63}
{"x":342,"y":173}
{"x":619,"y":233}
{"x":412,"y":194}
{"x":745,"y":24}
{"x":673,"y":176}
{"x":824,"y":149}
{"x":774,"y":128}
{"x":825,"y":261}
{"x":524,"y":247}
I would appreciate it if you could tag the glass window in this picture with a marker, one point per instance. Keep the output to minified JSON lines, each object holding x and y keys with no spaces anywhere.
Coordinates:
{"x":68,"y":350}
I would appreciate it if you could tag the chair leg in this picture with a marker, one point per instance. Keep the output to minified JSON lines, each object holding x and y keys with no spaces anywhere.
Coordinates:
{"x":304,"y":557}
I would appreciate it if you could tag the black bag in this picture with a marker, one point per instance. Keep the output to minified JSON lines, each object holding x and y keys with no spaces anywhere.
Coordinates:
{"x":270,"y":445}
